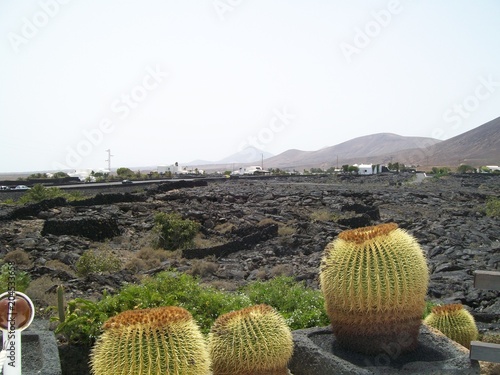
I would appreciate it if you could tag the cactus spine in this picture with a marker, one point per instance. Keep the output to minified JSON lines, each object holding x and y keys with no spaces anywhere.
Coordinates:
{"x":374,"y":280}
{"x":252,"y":341}
{"x":455,"y":322}
{"x":162,"y":340}
{"x":60,"y":304}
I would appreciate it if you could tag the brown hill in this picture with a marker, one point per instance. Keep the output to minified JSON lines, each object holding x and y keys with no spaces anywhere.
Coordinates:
{"x":364,"y":149}
{"x":477,"y":147}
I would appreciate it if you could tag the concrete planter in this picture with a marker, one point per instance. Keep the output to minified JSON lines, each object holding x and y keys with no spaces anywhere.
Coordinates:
{"x":317,"y":353}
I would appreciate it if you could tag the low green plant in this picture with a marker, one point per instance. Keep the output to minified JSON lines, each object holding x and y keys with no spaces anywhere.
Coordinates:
{"x":169,"y":288}
{"x":301,"y":306}
{"x":492,"y":207}
{"x":174,"y":232}
{"x":83,"y":321}
{"x":439,"y":172}
{"x":94,"y":261}
{"x":10,"y":277}
{"x":39,"y":193}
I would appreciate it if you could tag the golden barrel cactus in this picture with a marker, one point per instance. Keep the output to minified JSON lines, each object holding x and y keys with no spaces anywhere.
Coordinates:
{"x":455,"y":322}
{"x":374,"y":280}
{"x":252,"y":341}
{"x":162,"y":340}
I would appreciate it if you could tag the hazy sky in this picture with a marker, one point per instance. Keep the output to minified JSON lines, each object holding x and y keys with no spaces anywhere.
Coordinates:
{"x":159,"y":81}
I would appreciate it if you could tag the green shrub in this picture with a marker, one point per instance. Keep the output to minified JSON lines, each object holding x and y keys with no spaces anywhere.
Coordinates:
{"x":39,"y":193}
{"x":83,"y":322}
{"x":302,"y":307}
{"x":94,"y":261}
{"x":492,"y":207}
{"x":84,"y":318}
{"x":440,"y":172}
{"x":10,"y":276}
{"x":174,"y":232}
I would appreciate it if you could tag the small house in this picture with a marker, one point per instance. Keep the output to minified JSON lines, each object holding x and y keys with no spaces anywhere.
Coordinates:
{"x":366,"y":169}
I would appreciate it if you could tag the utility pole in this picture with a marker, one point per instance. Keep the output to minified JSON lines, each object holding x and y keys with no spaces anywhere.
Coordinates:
{"x":109,"y":159}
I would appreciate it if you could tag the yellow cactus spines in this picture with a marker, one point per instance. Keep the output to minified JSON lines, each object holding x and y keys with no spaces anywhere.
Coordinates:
{"x":455,"y":322}
{"x":374,"y":280}
{"x":162,"y":340}
{"x":252,"y":341}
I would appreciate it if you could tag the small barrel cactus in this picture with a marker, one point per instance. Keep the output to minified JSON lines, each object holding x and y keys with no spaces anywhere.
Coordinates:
{"x":252,"y":341}
{"x":374,"y":280}
{"x":455,"y":322}
{"x":162,"y":340}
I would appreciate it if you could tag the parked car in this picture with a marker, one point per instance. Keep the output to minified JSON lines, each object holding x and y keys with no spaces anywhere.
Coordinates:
{"x":126,"y":182}
{"x":21,"y":187}
{"x":4,"y":188}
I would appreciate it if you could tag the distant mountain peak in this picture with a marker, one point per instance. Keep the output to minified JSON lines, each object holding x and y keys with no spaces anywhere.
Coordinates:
{"x":247,"y":155}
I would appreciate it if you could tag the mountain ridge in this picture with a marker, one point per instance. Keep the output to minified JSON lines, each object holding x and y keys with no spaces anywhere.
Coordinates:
{"x":477,"y":147}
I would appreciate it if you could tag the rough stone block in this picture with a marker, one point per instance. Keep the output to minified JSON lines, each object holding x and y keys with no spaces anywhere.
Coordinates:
{"x":39,"y":353}
{"x":316,"y":352}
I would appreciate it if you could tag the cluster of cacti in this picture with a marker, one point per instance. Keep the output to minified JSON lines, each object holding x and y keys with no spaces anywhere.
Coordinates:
{"x":252,"y":341}
{"x":455,"y":322}
{"x":162,"y":340}
{"x":374,"y":281}
{"x":166,"y":340}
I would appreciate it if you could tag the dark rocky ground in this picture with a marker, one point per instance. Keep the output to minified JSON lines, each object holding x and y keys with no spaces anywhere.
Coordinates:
{"x":259,"y":228}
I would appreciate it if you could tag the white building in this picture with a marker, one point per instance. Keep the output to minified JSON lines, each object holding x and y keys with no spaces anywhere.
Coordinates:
{"x":253,"y":170}
{"x":168,"y":168}
{"x":366,"y":169}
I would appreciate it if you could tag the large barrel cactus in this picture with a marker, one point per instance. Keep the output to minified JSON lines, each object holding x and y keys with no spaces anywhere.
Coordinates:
{"x":455,"y":322}
{"x":374,"y":280}
{"x":162,"y":340}
{"x":252,"y":341}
